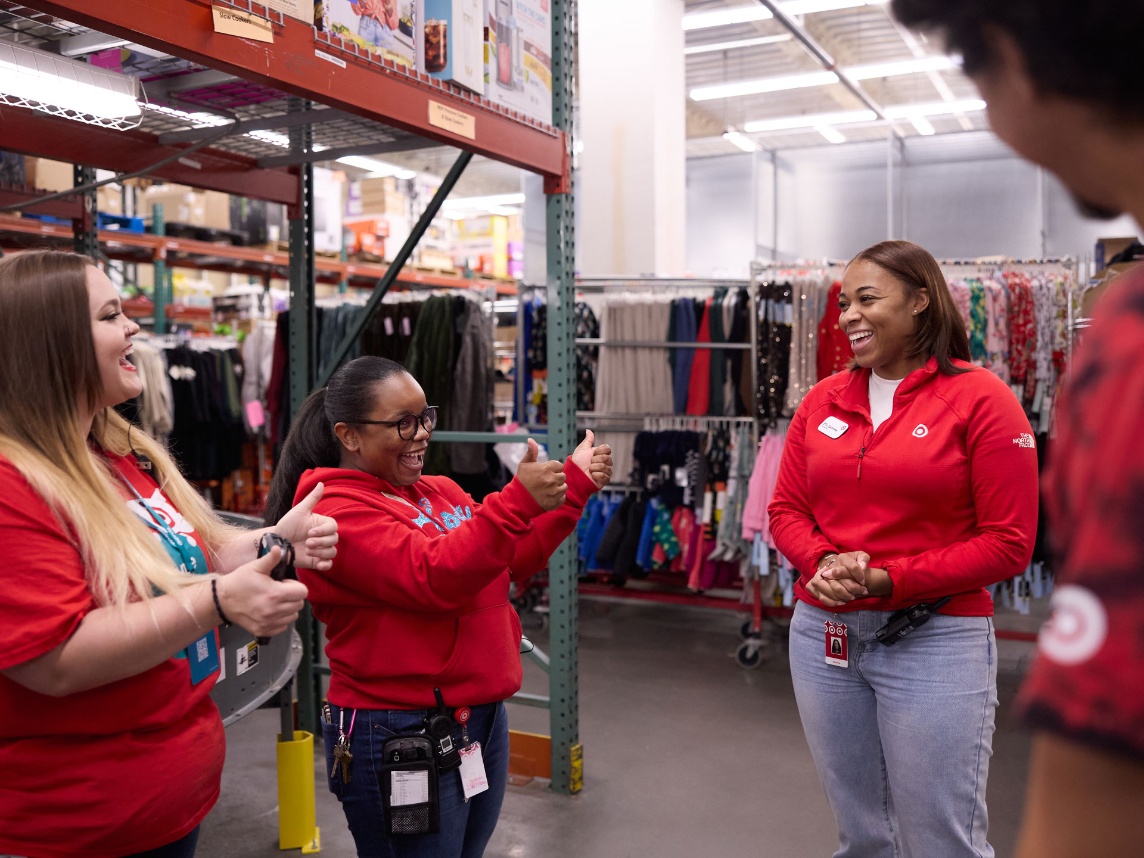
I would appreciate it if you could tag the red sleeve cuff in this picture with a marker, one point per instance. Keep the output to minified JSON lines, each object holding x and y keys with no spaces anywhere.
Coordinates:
{"x":580,"y":485}
{"x":519,"y":502}
{"x":903,"y":592}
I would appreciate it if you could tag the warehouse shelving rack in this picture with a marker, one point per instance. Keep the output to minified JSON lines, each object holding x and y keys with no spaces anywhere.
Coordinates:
{"x":331,"y":99}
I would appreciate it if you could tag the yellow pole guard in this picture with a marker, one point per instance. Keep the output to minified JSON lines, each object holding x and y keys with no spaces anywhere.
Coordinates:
{"x":297,"y":818}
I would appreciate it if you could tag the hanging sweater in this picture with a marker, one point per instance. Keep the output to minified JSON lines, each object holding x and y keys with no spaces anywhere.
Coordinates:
{"x":418,"y":595}
{"x":943,"y":495}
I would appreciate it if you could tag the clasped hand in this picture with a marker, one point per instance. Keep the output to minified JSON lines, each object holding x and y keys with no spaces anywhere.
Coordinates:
{"x":846,"y":577}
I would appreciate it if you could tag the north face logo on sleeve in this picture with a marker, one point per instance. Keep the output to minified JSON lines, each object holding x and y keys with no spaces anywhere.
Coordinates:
{"x":1025,"y":440}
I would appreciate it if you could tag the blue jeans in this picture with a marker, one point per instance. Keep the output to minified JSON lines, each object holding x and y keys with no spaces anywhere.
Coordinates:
{"x":901,"y":737}
{"x":375,"y":33}
{"x":184,"y":847}
{"x":466,"y":827}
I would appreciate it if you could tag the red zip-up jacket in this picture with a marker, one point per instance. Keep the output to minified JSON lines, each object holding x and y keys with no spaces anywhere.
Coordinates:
{"x":417,"y":597}
{"x":943,"y":495}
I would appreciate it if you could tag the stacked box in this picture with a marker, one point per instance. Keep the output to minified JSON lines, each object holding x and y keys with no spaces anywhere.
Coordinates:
{"x":450,"y":41}
{"x":384,"y":27}
{"x":518,"y":56}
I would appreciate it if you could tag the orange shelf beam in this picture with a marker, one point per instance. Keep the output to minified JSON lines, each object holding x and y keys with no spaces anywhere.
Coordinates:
{"x":188,"y":253}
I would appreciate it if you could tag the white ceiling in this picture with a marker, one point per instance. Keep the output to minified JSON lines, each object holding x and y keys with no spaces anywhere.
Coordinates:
{"x":856,"y":36}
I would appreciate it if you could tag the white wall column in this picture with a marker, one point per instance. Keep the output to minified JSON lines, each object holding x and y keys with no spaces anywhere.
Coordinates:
{"x":632,"y":191}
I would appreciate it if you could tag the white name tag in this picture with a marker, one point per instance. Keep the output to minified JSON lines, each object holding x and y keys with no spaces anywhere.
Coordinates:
{"x":473,"y":779}
{"x":832,"y":427}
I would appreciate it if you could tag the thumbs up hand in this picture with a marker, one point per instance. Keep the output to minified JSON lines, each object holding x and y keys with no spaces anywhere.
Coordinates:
{"x":314,"y":536}
{"x":545,"y":481}
{"x":596,"y":462}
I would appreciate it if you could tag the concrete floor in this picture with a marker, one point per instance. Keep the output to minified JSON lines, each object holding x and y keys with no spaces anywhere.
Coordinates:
{"x":685,"y":754}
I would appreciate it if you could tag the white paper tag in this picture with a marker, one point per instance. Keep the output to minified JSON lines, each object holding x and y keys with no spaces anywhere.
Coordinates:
{"x":473,"y":779}
{"x":832,"y":427}
{"x":406,"y":326}
{"x":387,"y":323}
{"x":408,"y":788}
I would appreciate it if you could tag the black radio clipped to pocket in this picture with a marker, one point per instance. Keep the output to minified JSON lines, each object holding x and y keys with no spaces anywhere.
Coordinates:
{"x":285,"y":566}
{"x":409,"y":786}
{"x":903,"y":622}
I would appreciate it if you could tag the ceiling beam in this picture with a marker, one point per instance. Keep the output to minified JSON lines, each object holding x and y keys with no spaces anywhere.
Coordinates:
{"x":823,"y":56}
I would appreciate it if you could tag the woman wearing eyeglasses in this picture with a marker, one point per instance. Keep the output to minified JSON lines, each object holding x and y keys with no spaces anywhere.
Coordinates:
{"x":417,"y":597}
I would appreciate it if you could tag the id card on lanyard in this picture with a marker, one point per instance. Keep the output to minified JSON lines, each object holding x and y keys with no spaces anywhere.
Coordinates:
{"x":202,"y":655}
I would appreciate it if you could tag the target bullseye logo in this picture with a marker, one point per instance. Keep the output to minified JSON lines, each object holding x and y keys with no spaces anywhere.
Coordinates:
{"x":921,"y":430}
{"x":1077,"y":629}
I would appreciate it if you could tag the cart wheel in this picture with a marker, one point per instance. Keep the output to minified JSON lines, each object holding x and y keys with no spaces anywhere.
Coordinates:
{"x":745,"y":629}
{"x":749,"y":655}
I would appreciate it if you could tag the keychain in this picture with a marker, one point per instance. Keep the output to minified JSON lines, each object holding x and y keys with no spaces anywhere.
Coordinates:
{"x":343,"y":757}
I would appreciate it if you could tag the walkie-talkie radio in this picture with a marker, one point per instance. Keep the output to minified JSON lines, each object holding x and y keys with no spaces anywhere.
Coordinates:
{"x":285,"y":566}
{"x":902,"y":622}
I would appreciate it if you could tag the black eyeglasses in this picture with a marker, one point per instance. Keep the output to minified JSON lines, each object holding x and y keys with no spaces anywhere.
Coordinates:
{"x":407,"y":425}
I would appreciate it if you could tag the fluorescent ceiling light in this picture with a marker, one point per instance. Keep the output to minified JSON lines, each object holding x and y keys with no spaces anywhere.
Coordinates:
{"x":809,"y":120}
{"x":830,"y":133}
{"x":922,"y":125}
{"x":741,"y":140}
{"x":900,"y":67}
{"x":937,"y":108}
{"x":754,"y":12}
{"x":482,"y":203}
{"x":376,"y":167}
{"x":734,"y":44}
{"x":820,"y":78}
{"x":766,"y":84}
{"x":68,"y":88}
{"x":198,"y":120}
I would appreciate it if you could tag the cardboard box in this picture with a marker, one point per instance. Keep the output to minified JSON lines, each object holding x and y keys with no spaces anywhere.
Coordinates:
{"x":210,"y":209}
{"x":328,"y":209}
{"x":451,"y":41}
{"x":1106,"y":249}
{"x":385,"y":27}
{"x":518,"y":56}
{"x":48,"y":175}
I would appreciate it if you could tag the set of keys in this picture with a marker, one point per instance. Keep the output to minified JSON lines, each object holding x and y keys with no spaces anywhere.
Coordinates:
{"x":343,"y":756}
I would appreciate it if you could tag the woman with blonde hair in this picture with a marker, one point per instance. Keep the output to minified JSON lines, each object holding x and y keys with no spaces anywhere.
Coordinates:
{"x":114,"y":576}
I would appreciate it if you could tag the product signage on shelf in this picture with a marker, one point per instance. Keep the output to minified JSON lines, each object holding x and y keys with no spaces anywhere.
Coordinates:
{"x":518,"y":56}
{"x":450,"y":41}
{"x":385,"y":27}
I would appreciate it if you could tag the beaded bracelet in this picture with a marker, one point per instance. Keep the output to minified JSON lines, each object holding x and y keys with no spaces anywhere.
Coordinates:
{"x":218,"y":604}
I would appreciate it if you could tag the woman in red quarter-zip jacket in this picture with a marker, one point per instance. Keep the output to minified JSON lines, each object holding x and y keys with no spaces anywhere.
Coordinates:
{"x":911,"y":479}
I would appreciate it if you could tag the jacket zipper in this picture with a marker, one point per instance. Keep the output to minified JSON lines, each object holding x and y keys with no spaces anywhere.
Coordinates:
{"x":861,"y":453}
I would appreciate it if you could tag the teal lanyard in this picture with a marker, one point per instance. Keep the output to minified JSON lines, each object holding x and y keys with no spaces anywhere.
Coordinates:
{"x":202,"y":655}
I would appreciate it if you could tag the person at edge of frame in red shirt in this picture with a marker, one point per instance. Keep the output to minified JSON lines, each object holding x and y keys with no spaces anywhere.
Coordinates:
{"x":1062,"y":83}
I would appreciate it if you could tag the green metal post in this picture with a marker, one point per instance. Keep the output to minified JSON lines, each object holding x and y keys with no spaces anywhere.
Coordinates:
{"x":301,"y":359}
{"x":160,"y":293}
{"x":86,"y":234}
{"x":567,"y":755}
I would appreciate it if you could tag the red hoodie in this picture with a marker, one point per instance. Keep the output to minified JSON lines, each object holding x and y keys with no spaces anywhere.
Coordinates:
{"x":943,"y":495}
{"x":418,"y":594}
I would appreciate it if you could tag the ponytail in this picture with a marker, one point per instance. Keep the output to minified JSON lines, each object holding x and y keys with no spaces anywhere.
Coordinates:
{"x":310,"y":443}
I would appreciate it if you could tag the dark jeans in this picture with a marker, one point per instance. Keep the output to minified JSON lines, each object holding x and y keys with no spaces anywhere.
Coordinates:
{"x":466,"y":827}
{"x":182,"y":848}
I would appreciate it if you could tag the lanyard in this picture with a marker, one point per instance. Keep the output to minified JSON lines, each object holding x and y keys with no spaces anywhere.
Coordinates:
{"x":182,"y":553}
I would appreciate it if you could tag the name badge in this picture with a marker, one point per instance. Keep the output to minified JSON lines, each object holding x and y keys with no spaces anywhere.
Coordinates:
{"x":832,"y":427}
